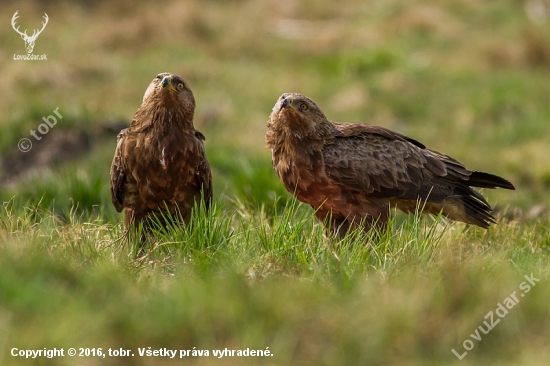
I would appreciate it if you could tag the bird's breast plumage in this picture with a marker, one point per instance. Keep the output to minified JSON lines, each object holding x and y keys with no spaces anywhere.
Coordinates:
{"x":162,"y":168}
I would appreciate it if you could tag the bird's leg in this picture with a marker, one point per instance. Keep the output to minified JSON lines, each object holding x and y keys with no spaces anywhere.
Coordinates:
{"x":374,"y":227}
{"x":132,"y":222}
{"x":339,"y":226}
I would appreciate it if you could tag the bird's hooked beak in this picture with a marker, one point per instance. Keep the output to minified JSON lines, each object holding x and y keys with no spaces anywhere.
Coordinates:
{"x":166,"y":82}
{"x":287,"y":103}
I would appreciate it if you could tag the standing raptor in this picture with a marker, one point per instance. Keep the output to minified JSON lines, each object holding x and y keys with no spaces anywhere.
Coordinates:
{"x":351,"y":174}
{"x":160,"y":165}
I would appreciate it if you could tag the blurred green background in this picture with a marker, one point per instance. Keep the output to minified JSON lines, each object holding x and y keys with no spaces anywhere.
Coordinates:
{"x":468,"y":78}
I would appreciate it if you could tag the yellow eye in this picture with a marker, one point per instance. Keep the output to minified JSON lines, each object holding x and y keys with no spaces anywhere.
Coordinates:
{"x":303,"y":107}
{"x":180,"y":86}
{"x":157,"y":79}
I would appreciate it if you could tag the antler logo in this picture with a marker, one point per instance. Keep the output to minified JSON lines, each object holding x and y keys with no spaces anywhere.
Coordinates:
{"x":29,"y":40}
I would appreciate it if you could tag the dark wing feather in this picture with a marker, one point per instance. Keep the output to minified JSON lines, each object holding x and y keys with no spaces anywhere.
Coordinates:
{"x":204,"y":174}
{"x":118,"y":177}
{"x":387,"y":165}
{"x":381,"y":163}
{"x":354,"y":129}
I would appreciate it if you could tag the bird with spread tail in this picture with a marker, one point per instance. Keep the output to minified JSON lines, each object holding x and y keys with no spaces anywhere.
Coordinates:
{"x":160,"y":166}
{"x":352,"y":174}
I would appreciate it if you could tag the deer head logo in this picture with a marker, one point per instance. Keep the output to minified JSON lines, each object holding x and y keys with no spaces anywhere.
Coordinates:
{"x":29,"y":40}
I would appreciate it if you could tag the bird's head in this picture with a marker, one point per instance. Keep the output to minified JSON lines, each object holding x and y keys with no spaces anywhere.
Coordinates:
{"x":170,"y":91}
{"x":301,"y":115}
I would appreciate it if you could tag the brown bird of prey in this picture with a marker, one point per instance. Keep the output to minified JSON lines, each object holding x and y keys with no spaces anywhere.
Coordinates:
{"x":351,"y":174}
{"x":160,"y":166}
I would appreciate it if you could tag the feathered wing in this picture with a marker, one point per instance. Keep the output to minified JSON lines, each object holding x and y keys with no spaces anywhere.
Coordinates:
{"x":204,"y":174}
{"x":118,"y":176}
{"x":386,"y":165}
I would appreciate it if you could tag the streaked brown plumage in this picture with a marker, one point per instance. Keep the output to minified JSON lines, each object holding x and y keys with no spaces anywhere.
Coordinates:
{"x":350,"y":172}
{"x":160,"y":163}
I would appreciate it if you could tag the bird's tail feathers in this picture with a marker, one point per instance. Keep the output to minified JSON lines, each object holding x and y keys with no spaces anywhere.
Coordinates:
{"x":469,"y":206}
{"x":486,"y":180}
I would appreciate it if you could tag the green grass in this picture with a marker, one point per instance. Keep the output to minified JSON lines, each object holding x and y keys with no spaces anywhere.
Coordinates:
{"x":257,"y":281}
{"x":466,"y":78}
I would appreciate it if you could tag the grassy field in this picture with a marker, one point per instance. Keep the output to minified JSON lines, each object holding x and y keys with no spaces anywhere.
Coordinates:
{"x":466,"y":78}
